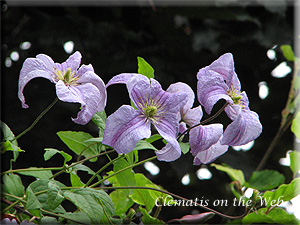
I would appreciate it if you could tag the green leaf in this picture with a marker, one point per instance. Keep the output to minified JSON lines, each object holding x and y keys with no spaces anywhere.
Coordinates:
{"x":55,"y":196}
{"x":51,"y":152}
{"x":234,"y":174}
{"x":132,"y":157}
{"x":284,"y":192}
{"x":125,"y":178}
{"x":40,"y":174}
{"x":147,"y":219}
{"x":141,"y":145}
{"x":295,"y":161}
{"x":100,"y":120}
{"x":185,"y":147}
{"x":13,"y":185}
{"x":9,"y":145}
{"x":265,"y":180}
{"x":144,"y":68}
{"x":76,"y":141}
{"x":48,"y":220}
{"x":81,"y":167}
{"x":277,"y":215}
{"x":87,"y":200}
{"x":80,"y":217}
{"x":121,"y":201}
{"x":41,"y":201}
{"x":153,"y":138}
{"x":143,"y":196}
{"x":288,"y":52}
{"x":295,"y":127}
{"x":75,"y":180}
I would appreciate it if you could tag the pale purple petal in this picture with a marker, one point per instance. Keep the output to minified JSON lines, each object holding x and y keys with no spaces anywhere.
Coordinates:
{"x":182,"y":87}
{"x":83,"y":69}
{"x":87,"y":95}
{"x":202,"y":137}
{"x":233,"y":111}
{"x":245,"y":128}
{"x":47,"y":61}
{"x":193,"y":116}
{"x":74,"y":61}
{"x":182,"y":127}
{"x":168,"y":153}
{"x":32,"y":68}
{"x":124,"y":78}
{"x":92,"y":78}
{"x":124,"y":128}
{"x":210,"y":154}
{"x":210,"y":89}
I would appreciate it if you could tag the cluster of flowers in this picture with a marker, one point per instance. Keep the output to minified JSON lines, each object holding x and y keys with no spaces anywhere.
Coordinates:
{"x":170,"y":111}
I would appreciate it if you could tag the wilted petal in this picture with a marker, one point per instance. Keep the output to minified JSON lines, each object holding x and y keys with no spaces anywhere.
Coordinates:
{"x":210,"y":154}
{"x":210,"y":89}
{"x":74,"y":61}
{"x":168,"y":153}
{"x":92,"y":78}
{"x":124,"y":128}
{"x":32,"y":68}
{"x":245,"y":128}
{"x":202,"y":137}
{"x":194,"y":219}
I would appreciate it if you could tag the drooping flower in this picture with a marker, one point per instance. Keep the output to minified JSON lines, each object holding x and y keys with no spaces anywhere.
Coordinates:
{"x":128,"y":125}
{"x":204,"y":139}
{"x":219,"y":81}
{"x":73,"y":84}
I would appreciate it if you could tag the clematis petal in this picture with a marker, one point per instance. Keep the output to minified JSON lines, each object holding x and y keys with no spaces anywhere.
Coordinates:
{"x":182,"y":87}
{"x":91,"y":78}
{"x":168,"y":153}
{"x":32,"y":68}
{"x":47,"y":61}
{"x":245,"y":128}
{"x":210,"y":154}
{"x":124,"y":128}
{"x":193,"y":116}
{"x":202,"y":137}
{"x":210,"y":89}
{"x":74,"y":61}
{"x":87,"y":95}
{"x":126,"y":78}
{"x":84,"y":69}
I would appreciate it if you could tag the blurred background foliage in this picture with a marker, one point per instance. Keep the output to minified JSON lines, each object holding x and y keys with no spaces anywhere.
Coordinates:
{"x":176,"y":41}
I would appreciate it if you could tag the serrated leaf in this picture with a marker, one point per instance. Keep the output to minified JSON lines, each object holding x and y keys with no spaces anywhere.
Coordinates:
{"x":143,"y":196}
{"x":125,"y":178}
{"x":284,"y":192}
{"x":13,"y":185}
{"x":234,"y":174}
{"x":288,"y":52}
{"x":144,"y":68}
{"x":295,"y":161}
{"x":277,"y":215}
{"x":76,"y":141}
{"x":265,"y":180}
{"x":40,"y":174}
{"x":51,"y":152}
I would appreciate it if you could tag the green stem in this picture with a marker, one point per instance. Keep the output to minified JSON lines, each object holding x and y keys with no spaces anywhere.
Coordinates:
{"x":85,"y":149}
{"x":36,"y":120}
{"x":80,"y":162}
{"x":10,"y":206}
{"x":204,"y":121}
{"x":128,"y":167}
{"x":31,"y":169}
{"x":103,"y":168}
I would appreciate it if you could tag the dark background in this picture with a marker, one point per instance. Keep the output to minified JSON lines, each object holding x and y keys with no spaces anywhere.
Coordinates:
{"x":177,"y":41}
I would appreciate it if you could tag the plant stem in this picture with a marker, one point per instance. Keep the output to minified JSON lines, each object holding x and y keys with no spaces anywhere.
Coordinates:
{"x":128,"y":167}
{"x":205,"y":121}
{"x":10,"y":206}
{"x":36,"y":120}
{"x":85,"y":149}
{"x":103,"y":168}
{"x":31,"y":169}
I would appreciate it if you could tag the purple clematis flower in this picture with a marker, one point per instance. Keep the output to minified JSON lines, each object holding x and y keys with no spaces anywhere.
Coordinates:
{"x":126,"y":126}
{"x":219,"y":81}
{"x":72,"y":84}
{"x":204,"y":139}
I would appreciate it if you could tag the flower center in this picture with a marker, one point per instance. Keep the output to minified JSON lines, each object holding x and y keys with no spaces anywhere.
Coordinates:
{"x":235,"y":95}
{"x":150,"y":111}
{"x":68,"y":77}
